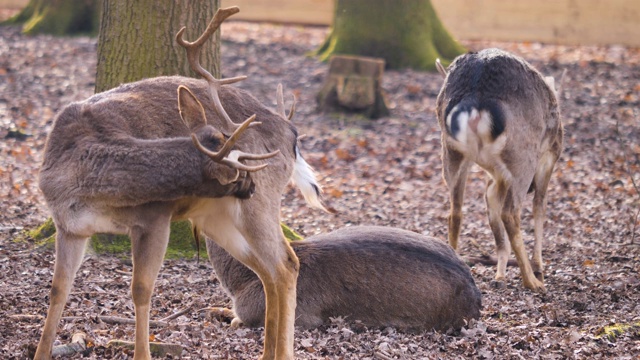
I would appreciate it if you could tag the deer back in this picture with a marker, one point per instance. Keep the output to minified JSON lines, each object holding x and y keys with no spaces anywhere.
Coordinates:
{"x":129,"y":146}
{"x":381,"y":276}
{"x":522,"y":120}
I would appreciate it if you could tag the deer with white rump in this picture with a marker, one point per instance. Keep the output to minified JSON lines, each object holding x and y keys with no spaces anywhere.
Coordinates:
{"x":497,"y":111}
{"x":135,"y":158}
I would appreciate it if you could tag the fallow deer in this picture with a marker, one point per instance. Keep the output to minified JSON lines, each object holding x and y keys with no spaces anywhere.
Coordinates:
{"x":124,"y":162}
{"x":496,"y":110}
{"x":380,"y":276}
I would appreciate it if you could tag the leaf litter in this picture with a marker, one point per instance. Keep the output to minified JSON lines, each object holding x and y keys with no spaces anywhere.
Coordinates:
{"x":383,"y":172}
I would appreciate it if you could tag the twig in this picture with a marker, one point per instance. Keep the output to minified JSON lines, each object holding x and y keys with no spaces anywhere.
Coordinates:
{"x":26,"y":317}
{"x":482,"y":251}
{"x":176,"y":315}
{"x":118,"y":320}
{"x":77,"y":345}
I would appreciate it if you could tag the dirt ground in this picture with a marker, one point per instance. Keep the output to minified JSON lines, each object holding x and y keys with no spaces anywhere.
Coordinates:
{"x":383,"y":172}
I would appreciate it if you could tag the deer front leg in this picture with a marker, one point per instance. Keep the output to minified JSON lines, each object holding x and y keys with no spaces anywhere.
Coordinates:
{"x":69,"y":252}
{"x":279,"y":277}
{"x":511,"y":220}
{"x":455,"y":170}
{"x":148,"y":246}
{"x":495,"y":197}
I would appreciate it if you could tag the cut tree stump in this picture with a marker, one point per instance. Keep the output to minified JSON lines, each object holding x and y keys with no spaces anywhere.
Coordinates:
{"x":354,"y":84}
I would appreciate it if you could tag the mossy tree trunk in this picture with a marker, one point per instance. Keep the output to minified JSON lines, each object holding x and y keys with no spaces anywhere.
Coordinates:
{"x":137,"y":40}
{"x":407,"y":34}
{"x":59,"y":17}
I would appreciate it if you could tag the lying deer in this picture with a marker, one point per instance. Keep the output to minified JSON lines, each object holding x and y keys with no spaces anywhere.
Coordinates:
{"x":499,"y":112}
{"x":379,"y":275}
{"x":135,"y":158}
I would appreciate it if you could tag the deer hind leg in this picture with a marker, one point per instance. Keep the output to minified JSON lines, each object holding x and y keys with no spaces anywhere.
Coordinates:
{"x":148,"y":246}
{"x":511,"y":220}
{"x":541,"y":183}
{"x":495,"y":197}
{"x":69,"y":253}
{"x":455,"y":174}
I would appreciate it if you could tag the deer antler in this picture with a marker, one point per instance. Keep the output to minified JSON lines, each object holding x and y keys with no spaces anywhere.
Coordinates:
{"x":280,"y":104}
{"x":193,"y":55}
{"x":233,"y":158}
{"x":193,"y":115}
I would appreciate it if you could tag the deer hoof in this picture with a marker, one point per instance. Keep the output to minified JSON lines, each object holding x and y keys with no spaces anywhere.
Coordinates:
{"x":498,"y":284}
{"x":535,"y":285}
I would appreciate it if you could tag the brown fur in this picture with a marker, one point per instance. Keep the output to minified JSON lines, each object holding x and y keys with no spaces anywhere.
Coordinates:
{"x":380,"y":276}
{"x":527,"y":141}
{"x":124,"y":162}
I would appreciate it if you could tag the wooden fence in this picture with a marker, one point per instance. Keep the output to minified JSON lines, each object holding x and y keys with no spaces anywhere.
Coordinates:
{"x":584,"y":22}
{"x":580,"y":22}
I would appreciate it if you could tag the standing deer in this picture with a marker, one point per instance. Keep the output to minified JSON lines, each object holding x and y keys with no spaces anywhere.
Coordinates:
{"x":497,"y":111}
{"x":124,"y":162}
{"x":380,"y":276}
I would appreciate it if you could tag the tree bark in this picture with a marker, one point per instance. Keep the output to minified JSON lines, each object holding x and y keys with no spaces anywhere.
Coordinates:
{"x":137,"y":40}
{"x":59,"y":17}
{"x":407,"y":34}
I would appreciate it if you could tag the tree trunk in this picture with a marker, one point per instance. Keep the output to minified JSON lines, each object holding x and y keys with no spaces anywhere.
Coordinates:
{"x":407,"y":34}
{"x":59,"y":17}
{"x":137,"y":40}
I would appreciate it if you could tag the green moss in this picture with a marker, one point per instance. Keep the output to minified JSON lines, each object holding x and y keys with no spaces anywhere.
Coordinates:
{"x":182,"y":244}
{"x":289,"y":234}
{"x":612,"y":332}
{"x":59,"y":17}
{"x":44,"y":231}
{"x":406,"y":34}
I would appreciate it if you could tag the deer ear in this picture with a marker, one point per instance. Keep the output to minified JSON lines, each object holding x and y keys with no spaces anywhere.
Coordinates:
{"x":191,"y":110}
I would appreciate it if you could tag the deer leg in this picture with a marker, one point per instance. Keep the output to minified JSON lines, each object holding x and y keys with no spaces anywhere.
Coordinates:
{"x":541,"y":183}
{"x":455,"y":174}
{"x":495,"y":197}
{"x":511,"y":220}
{"x":250,"y":232}
{"x":148,"y":246}
{"x":69,"y":253}
{"x":277,"y":268}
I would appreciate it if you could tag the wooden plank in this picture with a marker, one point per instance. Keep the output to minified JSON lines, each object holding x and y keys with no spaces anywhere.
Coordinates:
{"x":577,"y":22}
{"x":312,"y":12}
{"x":585,"y":22}
{"x":553,"y":21}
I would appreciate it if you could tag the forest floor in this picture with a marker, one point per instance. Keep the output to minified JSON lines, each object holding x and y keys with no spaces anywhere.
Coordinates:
{"x":382,"y":172}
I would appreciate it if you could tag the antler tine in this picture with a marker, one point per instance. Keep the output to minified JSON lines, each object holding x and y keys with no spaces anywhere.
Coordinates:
{"x":193,"y":56}
{"x":247,"y":156}
{"x":236,"y":156}
{"x":280,"y":104}
{"x":226,"y":148}
{"x":280,"y":101}
{"x":292,"y":110}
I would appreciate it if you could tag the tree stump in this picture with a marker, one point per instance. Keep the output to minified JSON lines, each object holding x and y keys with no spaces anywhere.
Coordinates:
{"x":354,"y":84}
